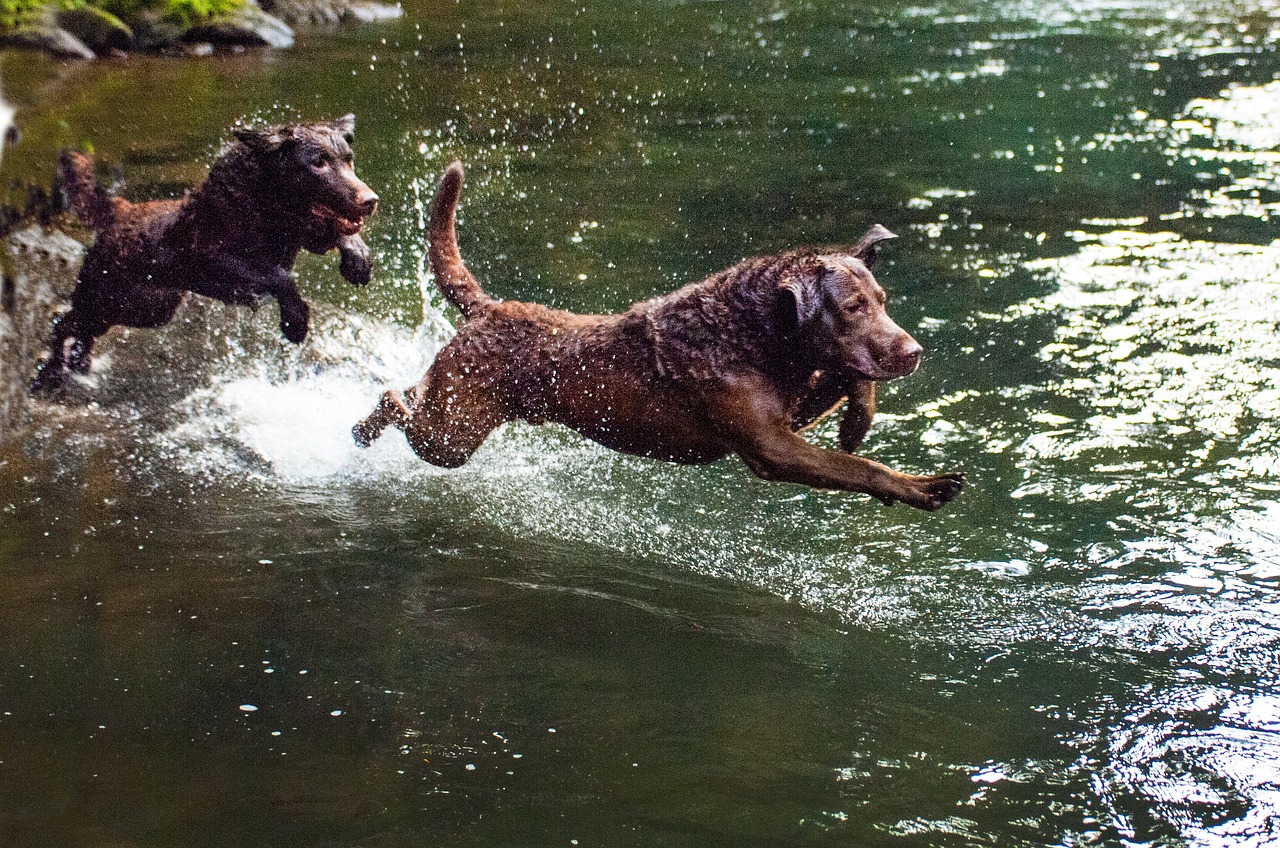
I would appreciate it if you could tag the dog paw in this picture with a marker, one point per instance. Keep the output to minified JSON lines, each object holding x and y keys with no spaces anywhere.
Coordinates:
{"x":363,"y":435}
{"x":932,"y":493}
{"x":79,"y":360}
{"x":48,"y":379}
{"x":294,"y":322}
{"x":355,"y":266}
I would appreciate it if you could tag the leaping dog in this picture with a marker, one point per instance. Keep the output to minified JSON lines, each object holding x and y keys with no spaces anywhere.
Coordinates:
{"x":734,"y":364}
{"x":274,"y":192}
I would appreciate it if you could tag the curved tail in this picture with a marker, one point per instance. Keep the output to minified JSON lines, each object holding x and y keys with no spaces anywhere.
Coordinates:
{"x":89,"y":199}
{"x":457,"y":283}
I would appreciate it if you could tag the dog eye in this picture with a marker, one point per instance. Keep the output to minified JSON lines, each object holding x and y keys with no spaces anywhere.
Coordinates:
{"x":319,"y":162}
{"x":855,"y":304}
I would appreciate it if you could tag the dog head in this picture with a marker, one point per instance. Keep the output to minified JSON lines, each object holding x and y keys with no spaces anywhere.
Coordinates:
{"x":314,"y":167}
{"x":834,"y":302}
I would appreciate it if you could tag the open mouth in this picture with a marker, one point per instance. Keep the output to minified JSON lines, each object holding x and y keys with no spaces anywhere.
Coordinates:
{"x":344,"y":225}
{"x":868,"y":368}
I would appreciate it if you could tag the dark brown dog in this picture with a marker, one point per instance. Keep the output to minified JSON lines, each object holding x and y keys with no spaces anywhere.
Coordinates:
{"x":274,"y":192}
{"x":734,"y":364}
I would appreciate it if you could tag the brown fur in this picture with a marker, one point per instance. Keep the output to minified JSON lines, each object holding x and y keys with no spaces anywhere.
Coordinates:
{"x":274,"y":192}
{"x":734,"y":364}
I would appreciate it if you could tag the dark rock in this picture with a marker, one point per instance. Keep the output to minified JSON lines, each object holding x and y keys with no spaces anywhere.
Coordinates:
{"x":320,"y":12}
{"x":154,"y":29}
{"x":248,"y":25}
{"x":50,"y":38}
{"x":101,"y":31}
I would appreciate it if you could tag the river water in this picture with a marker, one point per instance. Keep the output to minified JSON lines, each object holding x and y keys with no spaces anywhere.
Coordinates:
{"x":224,"y":625}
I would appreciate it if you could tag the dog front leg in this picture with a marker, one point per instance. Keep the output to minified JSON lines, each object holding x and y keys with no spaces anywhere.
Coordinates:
{"x":355,"y":266}
{"x":793,"y":460}
{"x":857,"y":418}
{"x":825,"y":392}
{"x":761,"y":434}
{"x":295,"y":314}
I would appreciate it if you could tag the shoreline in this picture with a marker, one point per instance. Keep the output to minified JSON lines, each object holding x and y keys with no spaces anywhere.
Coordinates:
{"x":175,"y":28}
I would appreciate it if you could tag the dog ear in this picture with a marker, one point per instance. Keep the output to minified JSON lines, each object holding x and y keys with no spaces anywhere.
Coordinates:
{"x":263,"y":140}
{"x":346,"y":125}
{"x":799,"y":298}
{"x":865,"y":249}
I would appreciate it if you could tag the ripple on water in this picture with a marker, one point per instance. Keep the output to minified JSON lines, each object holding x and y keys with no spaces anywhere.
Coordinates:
{"x":1203,"y":759}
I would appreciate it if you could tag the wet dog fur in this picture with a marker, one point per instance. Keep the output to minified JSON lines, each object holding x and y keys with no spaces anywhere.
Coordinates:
{"x":275,"y":191}
{"x":737,"y":363}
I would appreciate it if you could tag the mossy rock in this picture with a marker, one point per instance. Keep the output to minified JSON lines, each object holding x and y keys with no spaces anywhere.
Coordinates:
{"x":99,"y":29}
{"x":154,"y":29}
{"x":35,"y":27}
{"x":53,"y":40}
{"x":247,"y":25}
{"x":77,"y":28}
{"x":319,"y":12}
{"x":23,"y":14}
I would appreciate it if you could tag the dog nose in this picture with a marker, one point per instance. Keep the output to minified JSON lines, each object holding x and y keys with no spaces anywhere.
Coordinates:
{"x":908,"y":355}
{"x":368,"y":201}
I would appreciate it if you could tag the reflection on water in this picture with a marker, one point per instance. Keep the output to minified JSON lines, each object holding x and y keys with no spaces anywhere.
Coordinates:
{"x":225,"y":625}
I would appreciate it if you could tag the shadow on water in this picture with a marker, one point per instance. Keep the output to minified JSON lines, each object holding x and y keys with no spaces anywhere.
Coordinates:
{"x":225,"y":625}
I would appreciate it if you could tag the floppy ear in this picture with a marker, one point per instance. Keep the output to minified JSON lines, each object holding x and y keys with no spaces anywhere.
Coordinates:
{"x":346,"y":125}
{"x":865,"y":249}
{"x":799,"y":298}
{"x":263,"y":140}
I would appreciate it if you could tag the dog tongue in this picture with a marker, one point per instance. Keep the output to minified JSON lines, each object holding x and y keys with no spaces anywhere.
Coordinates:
{"x":345,"y":226}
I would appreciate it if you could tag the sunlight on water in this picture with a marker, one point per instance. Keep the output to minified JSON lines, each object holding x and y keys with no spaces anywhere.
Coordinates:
{"x":1083,"y":649}
{"x":1167,"y":347}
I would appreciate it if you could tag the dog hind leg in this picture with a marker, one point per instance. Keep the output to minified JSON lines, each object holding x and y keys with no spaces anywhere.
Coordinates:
{"x":391,"y":410}
{"x":51,"y":372}
{"x":444,"y":421}
{"x":81,"y":354}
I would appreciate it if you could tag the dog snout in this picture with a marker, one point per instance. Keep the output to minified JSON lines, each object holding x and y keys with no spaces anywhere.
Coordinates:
{"x":906,"y":356}
{"x":366,"y":201}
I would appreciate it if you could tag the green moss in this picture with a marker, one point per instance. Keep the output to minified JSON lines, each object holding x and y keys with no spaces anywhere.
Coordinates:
{"x":15,"y":14}
{"x":188,"y":12}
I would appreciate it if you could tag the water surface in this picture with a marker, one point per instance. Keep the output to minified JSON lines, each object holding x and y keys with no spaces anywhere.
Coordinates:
{"x":225,"y":625}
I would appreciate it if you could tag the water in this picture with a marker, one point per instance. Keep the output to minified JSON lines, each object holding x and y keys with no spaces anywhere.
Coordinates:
{"x":225,"y":625}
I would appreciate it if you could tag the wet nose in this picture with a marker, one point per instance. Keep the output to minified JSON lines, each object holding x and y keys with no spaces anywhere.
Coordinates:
{"x":908,"y":355}
{"x":367,"y":201}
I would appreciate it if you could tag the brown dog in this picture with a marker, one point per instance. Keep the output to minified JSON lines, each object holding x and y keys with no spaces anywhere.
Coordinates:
{"x":274,"y":192}
{"x":734,"y":364}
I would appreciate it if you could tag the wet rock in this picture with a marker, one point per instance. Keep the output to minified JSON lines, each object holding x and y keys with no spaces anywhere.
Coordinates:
{"x":367,"y":12}
{"x":164,"y":25}
{"x":248,"y":25}
{"x":49,"y":37}
{"x":154,"y":29}
{"x":319,"y":12}
{"x":100,"y":30}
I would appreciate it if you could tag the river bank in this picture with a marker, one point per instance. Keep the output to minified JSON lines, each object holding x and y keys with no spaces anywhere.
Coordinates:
{"x":87,"y":30}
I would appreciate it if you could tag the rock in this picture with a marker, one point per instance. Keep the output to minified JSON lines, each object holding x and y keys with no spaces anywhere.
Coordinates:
{"x":369,"y":12}
{"x":247,"y":25}
{"x":307,"y":11}
{"x":320,"y":12}
{"x":50,"y":38}
{"x":154,"y":29}
{"x":101,"y":31}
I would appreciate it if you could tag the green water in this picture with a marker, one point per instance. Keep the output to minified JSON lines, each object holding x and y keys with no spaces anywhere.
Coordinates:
{"x":223,"y":625}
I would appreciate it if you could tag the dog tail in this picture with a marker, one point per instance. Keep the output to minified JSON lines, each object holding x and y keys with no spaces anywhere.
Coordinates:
{"x":457,"y":283}
{"x":88,"y":198}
